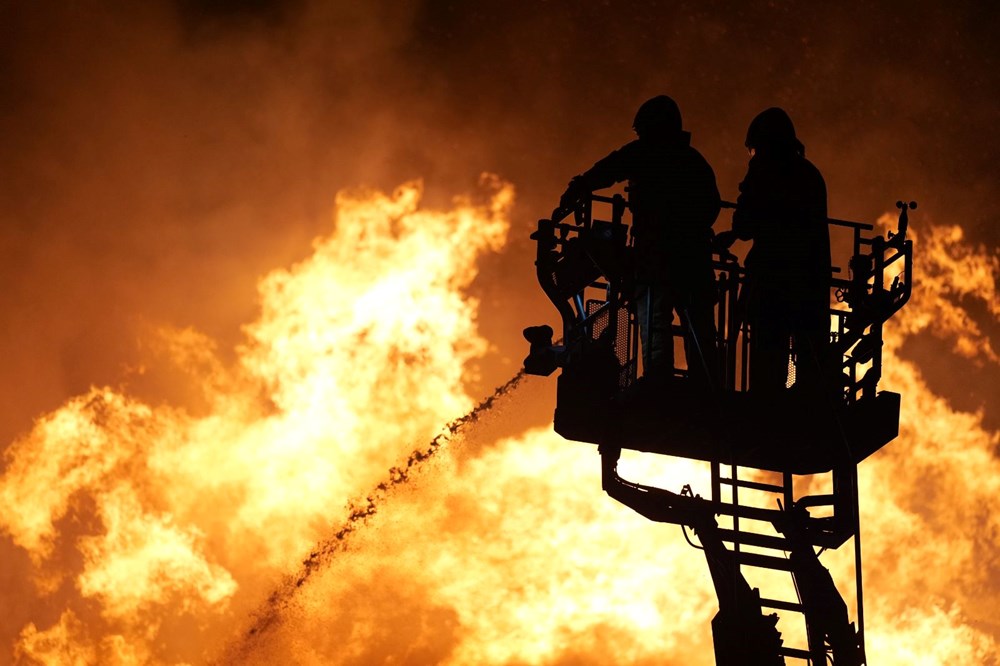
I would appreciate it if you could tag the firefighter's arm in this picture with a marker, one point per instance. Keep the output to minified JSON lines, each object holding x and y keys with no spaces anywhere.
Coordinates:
{"x":604,"y":173}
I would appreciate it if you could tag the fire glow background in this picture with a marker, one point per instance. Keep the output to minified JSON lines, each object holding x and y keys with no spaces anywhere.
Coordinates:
{"x":203,"y":371}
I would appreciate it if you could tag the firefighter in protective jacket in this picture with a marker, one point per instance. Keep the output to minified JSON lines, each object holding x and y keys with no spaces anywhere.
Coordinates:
{"x":674,"y":202}
{"x":782,"y":209}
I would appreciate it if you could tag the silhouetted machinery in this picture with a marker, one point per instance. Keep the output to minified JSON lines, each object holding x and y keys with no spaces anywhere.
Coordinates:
{"x":757,"y":447}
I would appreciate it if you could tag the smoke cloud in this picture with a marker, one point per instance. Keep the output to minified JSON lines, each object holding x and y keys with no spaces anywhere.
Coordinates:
{"x":168,"y":418}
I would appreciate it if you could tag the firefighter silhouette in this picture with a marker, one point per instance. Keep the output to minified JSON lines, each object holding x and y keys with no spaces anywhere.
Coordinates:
{"x":674,"y":202}
{"x":782,"y":209}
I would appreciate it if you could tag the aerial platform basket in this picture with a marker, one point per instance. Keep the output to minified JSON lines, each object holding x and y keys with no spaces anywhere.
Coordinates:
{"x":602,"y":398}
{"x":583,"y":267}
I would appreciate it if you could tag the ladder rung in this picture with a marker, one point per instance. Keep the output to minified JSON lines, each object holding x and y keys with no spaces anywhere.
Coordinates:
{"x":754,"y":485}
{"x":795,"y":652}
{"x":752,"y":512}
{"x":754,"y":539}
{"x":763,"y":561}
{"x":827,"y":537}
{"x":781,"y":605}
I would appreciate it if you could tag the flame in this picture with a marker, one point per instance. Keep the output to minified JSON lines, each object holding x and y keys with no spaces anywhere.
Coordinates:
{"x":528,"y":564}
{"x":515,"y":560}
{"x":930,"y":511}
{"x":950,"y":273}
{"x":160,"y":534}
{"x":359,"y":352}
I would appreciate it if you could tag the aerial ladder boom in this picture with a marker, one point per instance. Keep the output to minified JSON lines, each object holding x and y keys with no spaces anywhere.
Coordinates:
{"x":740,"y":621}
{"x":743,"y":634}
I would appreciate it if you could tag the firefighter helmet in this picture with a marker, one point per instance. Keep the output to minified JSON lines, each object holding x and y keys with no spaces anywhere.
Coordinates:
{"x":657,"y":116}
{"x":772,"y":131}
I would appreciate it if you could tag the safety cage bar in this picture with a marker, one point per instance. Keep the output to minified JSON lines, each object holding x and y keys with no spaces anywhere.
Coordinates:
{"x":584,"y":268}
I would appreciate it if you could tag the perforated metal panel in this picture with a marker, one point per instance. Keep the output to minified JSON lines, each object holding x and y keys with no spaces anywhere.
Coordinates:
{"x":626,"y":364}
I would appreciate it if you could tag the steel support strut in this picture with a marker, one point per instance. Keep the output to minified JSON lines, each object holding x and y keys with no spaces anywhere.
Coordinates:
{"x":741,"y":633}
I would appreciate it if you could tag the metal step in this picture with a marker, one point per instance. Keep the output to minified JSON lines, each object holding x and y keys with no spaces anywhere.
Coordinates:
{"x":754,"y":539}
{"x":763,"y":561}
{"x":752,"y":512}
{"x":795,"y":652}
{"x":754,"y":485}
{"x":793,"y":606}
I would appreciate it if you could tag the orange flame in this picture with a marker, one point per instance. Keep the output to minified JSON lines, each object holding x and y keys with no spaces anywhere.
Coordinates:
{"x":359,"y":351}
{"x":155,"y":531}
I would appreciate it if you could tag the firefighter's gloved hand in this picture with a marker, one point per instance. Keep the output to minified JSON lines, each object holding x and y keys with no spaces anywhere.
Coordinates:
{"x":575,"y":191}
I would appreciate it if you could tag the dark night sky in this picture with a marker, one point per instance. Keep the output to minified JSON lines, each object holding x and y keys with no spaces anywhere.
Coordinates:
{"x":158,"y":158}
